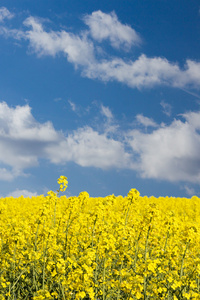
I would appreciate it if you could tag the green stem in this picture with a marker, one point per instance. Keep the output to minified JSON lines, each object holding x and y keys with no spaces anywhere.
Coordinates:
{"x":96,"y":275}
{"x":182,"y":262}
{"x":104,"y":275}
{"x":62,"y":291}
{"x":145,"y":257}
{"x":66,"y":236}
{"x":36,"y":236}
{"x":18,"y":278}
{"x":35,"y":249}
{"x":120,"y":281}
{"x":136,"y":252}
{"x":146,"y":243}
{"x":93,"y":229}
{"x":43,"y":269}
{"x":165,"y":247}
{"x":126,"y":220}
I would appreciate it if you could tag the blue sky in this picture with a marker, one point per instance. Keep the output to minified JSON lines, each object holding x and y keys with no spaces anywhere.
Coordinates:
{"x":106,"y":93}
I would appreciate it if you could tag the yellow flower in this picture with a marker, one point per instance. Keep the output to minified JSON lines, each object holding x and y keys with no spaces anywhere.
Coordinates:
{"x":89,"y":247}
{"x":133,"y":194}
{"x":80,"y":295}
{"x":62,"y":181}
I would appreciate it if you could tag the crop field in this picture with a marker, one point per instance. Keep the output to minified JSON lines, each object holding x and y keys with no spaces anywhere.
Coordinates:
{"x":132,"y":247}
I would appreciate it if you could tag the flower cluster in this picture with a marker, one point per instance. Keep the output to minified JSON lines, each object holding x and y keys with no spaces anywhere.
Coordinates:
{"x":107,"y":248}
{"x":62,"y":181}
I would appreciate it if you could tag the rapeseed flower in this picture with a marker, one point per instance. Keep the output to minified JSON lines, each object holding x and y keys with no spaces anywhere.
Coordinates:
{"x":133,"y":247}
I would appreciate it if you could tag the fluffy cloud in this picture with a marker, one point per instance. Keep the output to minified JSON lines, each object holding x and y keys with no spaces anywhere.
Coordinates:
{"x":8,"y":174}
{"x":89,"y":148}
{"x":5,"y":14}
{"x":81,"y":51}
{"x":23,"y":141}
{"x":169,"y":152}
{"x":145,"y":121}
{"x":146,"y":72}
{"x":12,"y":33}
{"x":143,"y":72}
{"x":104,"y":26}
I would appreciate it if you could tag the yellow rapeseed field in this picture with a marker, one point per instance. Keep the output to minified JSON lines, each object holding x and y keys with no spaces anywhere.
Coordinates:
{"x":133,"y":247}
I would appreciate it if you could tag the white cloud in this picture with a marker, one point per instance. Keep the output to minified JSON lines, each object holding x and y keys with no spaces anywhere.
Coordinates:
{"x":189,"y":190}
{"x":79,"y":49}
{"x":17,"y":193}
{"x":7,"y":175}
{"x":5,"y":14}
{"x":89,"y":148}
{"x":145,"y":121}
{"x":106,"y":26}
{"x":167,"y":108}
{"x":193,"y":118}
{"x":23,"y":141}
{"x":110,"y":125}
{"x":12,"y":33}
{"x":72,"y":105}
{"x":169,"y":152}
{"x":143,"y":72}
{"x":19,"y":124}
{"x":106,"y":112}
{"x":146,"y":72}
{"x":82,"y":52}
